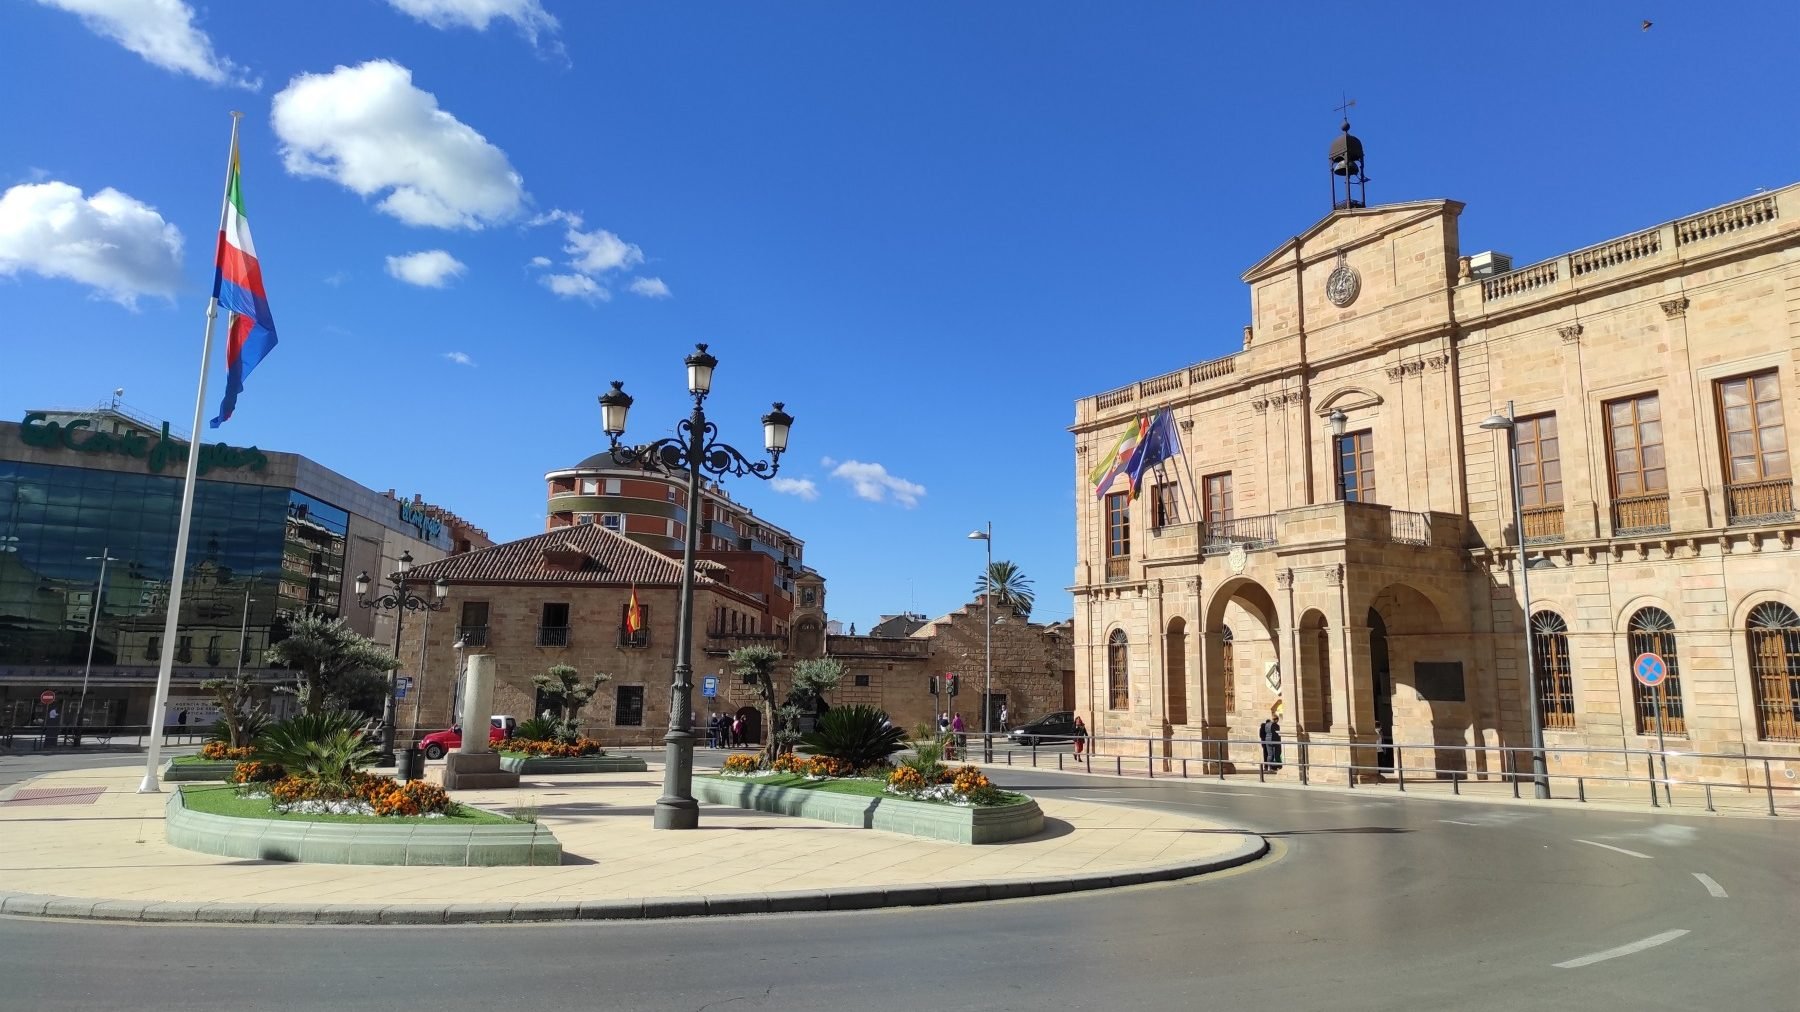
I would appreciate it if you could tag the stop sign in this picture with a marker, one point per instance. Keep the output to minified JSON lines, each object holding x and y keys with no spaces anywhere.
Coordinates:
{"x":48,"y":697}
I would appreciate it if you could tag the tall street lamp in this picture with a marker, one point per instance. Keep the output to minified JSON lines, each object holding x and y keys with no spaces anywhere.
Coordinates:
{"x":1509,"y":424}
{"x":695,"y":449}
{"x":987,"y":694}
{"x":87,"y":669}
{"x":399,"y":602}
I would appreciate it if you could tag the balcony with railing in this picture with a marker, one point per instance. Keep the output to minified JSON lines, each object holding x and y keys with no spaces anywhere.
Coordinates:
{"x":553,"y":636}
{"x":472,"y":635}
{"x":1118,"y":568}
{"x":1219,"y":537}
{"x":1641,"y":514}
{"x":1543,"y":524}
{"x":1759,"y":502}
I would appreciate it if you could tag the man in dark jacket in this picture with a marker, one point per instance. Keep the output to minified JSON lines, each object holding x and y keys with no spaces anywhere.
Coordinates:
{"x":1270,"y":735}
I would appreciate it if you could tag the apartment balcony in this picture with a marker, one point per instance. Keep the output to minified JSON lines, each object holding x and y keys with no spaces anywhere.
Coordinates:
{"x":1544,"y":524}
{"x":472,"y":635}
{"x":553,"y":636}
{"x":1759,"y":502}
{"x":1641,"y":514}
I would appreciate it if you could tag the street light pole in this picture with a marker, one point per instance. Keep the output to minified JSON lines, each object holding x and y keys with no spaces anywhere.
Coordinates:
{"x":1539,"y":774}
{"x":244,"y":629}
{"x":987,"y":693}
{"x":87,"y":669}
{"x":399,"y":602}
{"x":694,"y":449}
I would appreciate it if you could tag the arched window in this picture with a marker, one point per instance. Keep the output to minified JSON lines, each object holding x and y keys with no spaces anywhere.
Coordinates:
{"x":1652,"y":631}
{"x":1550,"y":670}
{"x":1118,"y":675}
{"x":1228,"y":670}
{"x":1775,"y":670}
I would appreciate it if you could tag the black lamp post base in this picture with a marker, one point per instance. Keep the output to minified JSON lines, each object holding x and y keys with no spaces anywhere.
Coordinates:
{"x":384,"y":759}
{"x":677,"y":813}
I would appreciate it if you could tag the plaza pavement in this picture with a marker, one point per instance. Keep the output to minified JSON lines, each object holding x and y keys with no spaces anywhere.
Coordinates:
{"x":104,"y":854}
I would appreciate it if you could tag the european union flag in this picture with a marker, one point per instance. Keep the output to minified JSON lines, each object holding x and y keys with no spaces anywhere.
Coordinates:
{"x":1160,"y":443}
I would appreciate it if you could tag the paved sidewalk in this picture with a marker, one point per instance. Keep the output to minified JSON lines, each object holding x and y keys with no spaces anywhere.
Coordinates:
{"x":87,"y":835}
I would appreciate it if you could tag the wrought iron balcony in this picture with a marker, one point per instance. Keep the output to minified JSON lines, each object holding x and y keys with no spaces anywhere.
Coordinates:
{"x":553,"y":636}
{"x":1641,"y":514}
{"x":1252,"y":533}
{"x":1543,"y":523}
{"x":472,"y":635}
{"x":1760,"y":502}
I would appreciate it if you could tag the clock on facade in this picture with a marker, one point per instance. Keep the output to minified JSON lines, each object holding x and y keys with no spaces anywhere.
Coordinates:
{"x":1343,"y":284}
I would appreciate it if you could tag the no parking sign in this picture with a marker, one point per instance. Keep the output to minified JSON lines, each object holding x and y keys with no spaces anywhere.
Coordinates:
{"x":1650,"y":669}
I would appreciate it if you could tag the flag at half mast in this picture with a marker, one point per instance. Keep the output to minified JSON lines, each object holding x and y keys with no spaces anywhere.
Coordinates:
{"x":238,"y":286}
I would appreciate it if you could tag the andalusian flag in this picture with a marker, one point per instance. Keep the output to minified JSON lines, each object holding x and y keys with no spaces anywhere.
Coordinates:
{"x":634,"y":615}
{"x":1118,"y":459}
{"x":238,"y":286}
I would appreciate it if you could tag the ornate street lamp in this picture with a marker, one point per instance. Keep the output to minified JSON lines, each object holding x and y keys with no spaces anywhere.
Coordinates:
{"x":399,"y":602}
{"x":1508,"y":424}
{"x":694,"y":449}
{"x":987,"y":694}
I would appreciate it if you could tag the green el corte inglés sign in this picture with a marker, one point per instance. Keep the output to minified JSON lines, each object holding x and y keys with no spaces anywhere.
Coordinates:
{"x":157,"y":452}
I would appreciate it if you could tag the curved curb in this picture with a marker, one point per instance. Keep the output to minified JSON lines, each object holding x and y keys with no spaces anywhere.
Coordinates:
{"x":1249,"y":849}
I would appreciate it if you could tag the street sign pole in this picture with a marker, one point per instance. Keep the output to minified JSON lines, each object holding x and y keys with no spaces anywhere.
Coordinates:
{"x":1661,"y":752}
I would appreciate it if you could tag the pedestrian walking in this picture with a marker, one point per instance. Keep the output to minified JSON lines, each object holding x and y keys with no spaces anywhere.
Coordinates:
{"x":1081,"y":735}
{"x":1003,"y":719}
{"x":1269,"y":733}
{"x":957,"y":727}
{"x":51,"y":719}
{"x":737,"y":730}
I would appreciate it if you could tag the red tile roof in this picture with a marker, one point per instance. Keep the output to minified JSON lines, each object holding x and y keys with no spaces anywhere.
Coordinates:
{"x":601,"y":558}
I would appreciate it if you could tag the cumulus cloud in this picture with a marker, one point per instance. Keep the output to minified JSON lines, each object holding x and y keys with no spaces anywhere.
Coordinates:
{"x":160,"y":31}
{"x":873,"y":482}
{"x":460,"y":358}
{"x":113,"y":243}
{"x":368,"y":129}
{"x":599,"y":251}
{"x":650,"y":288}
{"x":529,"y":15}
{"x":432,"y":268}
{"x":801,"y":487}
{"x":540,"y":261}
{"x":576,"y":286}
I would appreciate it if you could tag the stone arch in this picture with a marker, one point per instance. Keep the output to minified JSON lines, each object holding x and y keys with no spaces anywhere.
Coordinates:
{"x":1346,"y":398}
{"x":1419,"y":680}
{"x":1772,"y":633}
{"x":1248,"y":610}
{"x":1175,"y":671}
{"x":1118,"y":670}
{"x":1750,"y":600}
{"x":1314,"y":672}
{"x":1651,"y":628}
{"x":1622,"y":619}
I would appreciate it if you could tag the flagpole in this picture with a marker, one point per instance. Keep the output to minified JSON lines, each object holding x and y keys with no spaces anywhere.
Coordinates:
{"x":172,"y":622}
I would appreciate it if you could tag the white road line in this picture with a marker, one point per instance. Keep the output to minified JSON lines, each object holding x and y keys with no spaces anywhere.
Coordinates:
{"x":1453,"y":822}
{"x":1717,"y":890}
{"x":1621,"y":850}
{"x":1143,"y":802}
{"x":1624,"y":950}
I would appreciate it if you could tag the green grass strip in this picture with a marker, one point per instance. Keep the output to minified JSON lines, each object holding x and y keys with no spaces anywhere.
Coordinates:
{"x":219,"y":799}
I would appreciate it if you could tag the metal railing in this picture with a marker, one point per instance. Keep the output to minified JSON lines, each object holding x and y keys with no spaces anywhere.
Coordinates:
{"x":1641,"y":514}
{"x":27,"y":737}
{"x":1759,"y":502}
{"x":553,"y":636}
{"x":472,"y":635}
{"x":1668,"y":778}
{"x":1221,"y":536}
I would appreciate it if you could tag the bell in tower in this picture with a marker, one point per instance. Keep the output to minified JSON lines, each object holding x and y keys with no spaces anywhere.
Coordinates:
{"x":1347,"y":164}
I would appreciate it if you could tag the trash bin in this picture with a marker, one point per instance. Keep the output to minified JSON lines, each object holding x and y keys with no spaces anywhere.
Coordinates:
{"x":411,"y":764}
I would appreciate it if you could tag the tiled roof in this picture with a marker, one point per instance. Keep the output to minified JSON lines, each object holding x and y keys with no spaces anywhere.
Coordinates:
{"x":582,"y":554}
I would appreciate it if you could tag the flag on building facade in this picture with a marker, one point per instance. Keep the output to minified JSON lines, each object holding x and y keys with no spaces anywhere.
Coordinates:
{"x":1119,"y":457}
{"x":1160,"y":442}
{"x":634,"y":615}
{"x":238,"y":285}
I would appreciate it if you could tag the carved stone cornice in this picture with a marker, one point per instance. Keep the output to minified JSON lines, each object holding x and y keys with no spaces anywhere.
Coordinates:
{"x":1394,"y":372}
{"x":1261,"y":404}
{"x":1438,"y":363}
{"x":1673,"y":308}
{"x":1284,"y":578}
{"x":1570,"y":334}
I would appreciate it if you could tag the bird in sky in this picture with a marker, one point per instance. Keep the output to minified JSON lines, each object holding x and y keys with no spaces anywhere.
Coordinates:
{"x":1645,"y":26}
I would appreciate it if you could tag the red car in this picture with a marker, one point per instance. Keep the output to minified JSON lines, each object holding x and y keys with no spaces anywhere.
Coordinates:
{"x":437,"y":743}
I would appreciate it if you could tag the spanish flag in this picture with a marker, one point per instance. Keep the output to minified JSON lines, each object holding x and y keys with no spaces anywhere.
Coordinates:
{"x":634,"y":615}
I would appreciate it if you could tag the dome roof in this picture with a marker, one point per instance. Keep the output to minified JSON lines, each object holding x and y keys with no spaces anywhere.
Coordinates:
{"x":602,"y":461}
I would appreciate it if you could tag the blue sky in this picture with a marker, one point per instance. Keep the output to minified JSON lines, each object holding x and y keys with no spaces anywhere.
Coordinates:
{"x":927,"y":227}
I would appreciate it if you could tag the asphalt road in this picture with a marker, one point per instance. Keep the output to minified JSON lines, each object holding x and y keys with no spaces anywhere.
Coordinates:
{"x":1381,"y":903}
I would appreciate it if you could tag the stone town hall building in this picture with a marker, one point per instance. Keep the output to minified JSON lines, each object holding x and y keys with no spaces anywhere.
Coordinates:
{"x":1338,"y":532}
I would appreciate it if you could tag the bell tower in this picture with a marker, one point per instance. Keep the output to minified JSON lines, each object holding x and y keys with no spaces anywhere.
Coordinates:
{"x":1347,"y":164}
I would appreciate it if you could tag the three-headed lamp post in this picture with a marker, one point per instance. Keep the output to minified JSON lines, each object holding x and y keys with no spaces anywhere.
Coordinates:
{"x":399,"y":602}
{"x":695,"y":449}
{"x":1509,"y":424}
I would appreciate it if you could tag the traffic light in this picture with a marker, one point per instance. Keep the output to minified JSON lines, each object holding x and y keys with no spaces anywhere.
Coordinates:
{"x":934,"y":685}
{"x":952,"y":680}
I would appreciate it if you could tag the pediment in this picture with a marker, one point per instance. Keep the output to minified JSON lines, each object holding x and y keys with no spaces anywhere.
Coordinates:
{"x":1357,"y":225}
{"x":1346,"y":399}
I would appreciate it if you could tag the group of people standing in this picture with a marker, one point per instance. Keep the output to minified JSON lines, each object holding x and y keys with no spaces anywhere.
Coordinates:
{"x":725,"y":730}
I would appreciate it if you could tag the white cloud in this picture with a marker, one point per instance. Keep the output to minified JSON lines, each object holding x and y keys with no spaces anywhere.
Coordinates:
{"x":529,"y":15}
{"x":432,"y":268}
{"x":368,"y":129}
{"x":576,"y":286}
{"x":802,"y":487}
{"x":599,"y":251}
{"x":460,"y":358}
{"x":336,"y":278}
{"x":874,"y":483}
{"x":111,"y":242}
{"x":540,"y":261}
{"x":160,"y":31}
{"x":650,"y":288}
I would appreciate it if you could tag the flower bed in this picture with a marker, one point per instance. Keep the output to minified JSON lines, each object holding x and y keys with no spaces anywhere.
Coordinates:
{"x":218,"y":751}
{"x":579,"y":748}
{"x":867,"y":803}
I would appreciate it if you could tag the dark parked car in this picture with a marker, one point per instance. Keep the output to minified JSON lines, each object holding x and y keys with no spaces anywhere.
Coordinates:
{"x":1051,"y":727}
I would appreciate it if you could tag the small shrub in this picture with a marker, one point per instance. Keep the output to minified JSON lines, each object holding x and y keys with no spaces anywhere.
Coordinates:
{"x":744,"y":762}
{"x":535,"y":729}
{"x":219,"y":751}
{"x":859,"y":736}
{"x":329,"y":746}
{"x":409,"y":798}
{"x":906,"y":779}
{"x":255,"y":772}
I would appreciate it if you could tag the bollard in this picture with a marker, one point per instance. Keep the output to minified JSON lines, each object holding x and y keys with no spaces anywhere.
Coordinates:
{"x":1184,"y":769}
{"x":1650,"y":764}
{"x":1034,"y":753}
{"x":1709,"y":806}
{"x":1118,"y":766}
{"x":1399,"y":769}
{"x":1455,"y":783}
{"x":1059,"y":762}
{"x":1581,"y":789}
{"x":1769,"y":786}
{"x":1150,"y":758}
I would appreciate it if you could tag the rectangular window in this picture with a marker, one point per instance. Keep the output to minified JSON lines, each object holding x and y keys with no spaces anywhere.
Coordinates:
{"x":627,"y":638}
{"x":590,"y":486}
{"x":1218,"y":498}
{"x":1356,"y":467}
{"x":1639,"y":472}
{"x":1118,"y":525}
{"x":553,"y":626}
{"x":613,"y":521}
{"x":612,"y":486}
{"x":1751,"y":423}
{"x":556,"y":616}
{"x":862,"y":681}
{"x":584,"y":518}
{"x":628,"y":706}
{"x":474,"y":613}
{"x":1540,"y":462}
{"x":1165,"y":506}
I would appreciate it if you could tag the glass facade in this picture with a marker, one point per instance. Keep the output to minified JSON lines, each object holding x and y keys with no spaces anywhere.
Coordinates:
{"x":254,"y":552}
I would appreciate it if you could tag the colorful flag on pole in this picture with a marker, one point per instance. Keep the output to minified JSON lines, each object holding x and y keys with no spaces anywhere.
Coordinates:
{"x":1159,"y":444}
{"x":634,"y":615}
{"x":1119,"y":457}
{"x":238,"y":285}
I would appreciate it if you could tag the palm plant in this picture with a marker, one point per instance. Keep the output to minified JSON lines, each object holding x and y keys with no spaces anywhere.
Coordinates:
{"x":328,"y":746}
{"x":859,"y":735}
{"x":1009,"y":587}
{"x":537,"y":729}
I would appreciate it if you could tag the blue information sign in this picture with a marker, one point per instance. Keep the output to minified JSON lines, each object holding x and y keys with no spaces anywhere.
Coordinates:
{"x":1649,"y":669}
{"x":402,"y":686}
{"x":709,"y":686}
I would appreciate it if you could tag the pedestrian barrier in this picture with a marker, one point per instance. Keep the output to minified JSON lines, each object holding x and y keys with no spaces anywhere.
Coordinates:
{"x":22,"y":737}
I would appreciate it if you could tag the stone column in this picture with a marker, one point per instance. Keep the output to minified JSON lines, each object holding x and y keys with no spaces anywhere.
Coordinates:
{"x":473,"y":766}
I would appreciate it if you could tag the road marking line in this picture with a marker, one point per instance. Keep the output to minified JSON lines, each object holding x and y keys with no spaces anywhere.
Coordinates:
{"x":1453,"y":822}
{"x":1717,"y":890}
{"x":1624,"y":950}
{"x":1143,"y":801}
{"x":1621,"y":850}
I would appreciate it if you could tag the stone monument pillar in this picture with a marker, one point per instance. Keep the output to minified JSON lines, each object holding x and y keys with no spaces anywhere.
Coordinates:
{"x":473,"y":766}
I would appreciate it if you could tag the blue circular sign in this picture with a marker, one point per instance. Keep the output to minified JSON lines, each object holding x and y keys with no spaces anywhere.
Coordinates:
{"x":1650,"y":669}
